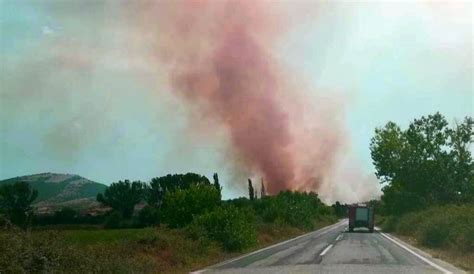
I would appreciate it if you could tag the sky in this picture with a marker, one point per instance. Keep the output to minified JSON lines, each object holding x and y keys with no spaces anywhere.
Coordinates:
{"x":79,"y":94}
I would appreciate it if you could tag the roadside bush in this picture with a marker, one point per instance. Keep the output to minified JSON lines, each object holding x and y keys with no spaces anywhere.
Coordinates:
{"x":450,"y":226}
{"x":390,"y":224}
{"x":408,"y":225}
{"x":232,"y":227}
{"x":434,"y":233}
{"x":180,"y":206}
{"x":465,"y":241}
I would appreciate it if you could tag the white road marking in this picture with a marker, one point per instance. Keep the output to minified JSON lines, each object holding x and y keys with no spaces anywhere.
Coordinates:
{"x":325,"y":250}
{"x":319,"y":232}
{"x":416,"y":254}
{"x":339,"y":237}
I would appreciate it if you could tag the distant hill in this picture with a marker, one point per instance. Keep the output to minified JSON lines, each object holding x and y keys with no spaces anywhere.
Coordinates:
{"x":60,"y":189}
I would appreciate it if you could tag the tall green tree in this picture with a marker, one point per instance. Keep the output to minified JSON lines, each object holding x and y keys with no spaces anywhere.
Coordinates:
{"x":122,"y":196}
{"x":159,"y":186}
{"x":217,"y":185}
{"x":263,"y":192}
{"x":15,"y":202}
{"x":462,"y":166}
{"x":251,"y":190}
{"x":339,"y":209}
{"x":428,"y":163}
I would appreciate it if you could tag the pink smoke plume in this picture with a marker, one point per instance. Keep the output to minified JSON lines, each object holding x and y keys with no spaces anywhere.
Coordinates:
{"x":218,"y":56}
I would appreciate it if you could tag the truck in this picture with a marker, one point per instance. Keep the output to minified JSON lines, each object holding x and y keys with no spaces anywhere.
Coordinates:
{"x":361,"y":215}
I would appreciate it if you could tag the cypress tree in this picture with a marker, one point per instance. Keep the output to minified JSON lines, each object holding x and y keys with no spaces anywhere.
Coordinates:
{"x":251,"y":191}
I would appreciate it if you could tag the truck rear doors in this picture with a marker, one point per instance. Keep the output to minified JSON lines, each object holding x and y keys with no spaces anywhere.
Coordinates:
{"x":361,"y":216}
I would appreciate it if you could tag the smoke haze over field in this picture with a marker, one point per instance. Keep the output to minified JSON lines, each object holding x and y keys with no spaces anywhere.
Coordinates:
{"x":288,"y":91}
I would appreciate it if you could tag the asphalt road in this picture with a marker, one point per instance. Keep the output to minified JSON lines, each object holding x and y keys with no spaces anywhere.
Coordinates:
{"x":335,"y":250}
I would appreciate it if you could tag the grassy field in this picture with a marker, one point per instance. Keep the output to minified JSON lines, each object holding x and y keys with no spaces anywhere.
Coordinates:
{"x":446,"y":232}
{"x":148,"y":250}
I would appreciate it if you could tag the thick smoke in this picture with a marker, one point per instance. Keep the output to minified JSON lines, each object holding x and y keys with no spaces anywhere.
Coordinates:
{"x":218,"y":57}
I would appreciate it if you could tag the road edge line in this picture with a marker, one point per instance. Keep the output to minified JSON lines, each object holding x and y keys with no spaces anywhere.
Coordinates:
{"x":440,"y":268}
{"x":322,"y":230}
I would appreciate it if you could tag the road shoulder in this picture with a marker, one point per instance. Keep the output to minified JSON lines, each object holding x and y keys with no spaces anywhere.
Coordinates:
{"x":321,"y":231}
{"x":441,"y":265}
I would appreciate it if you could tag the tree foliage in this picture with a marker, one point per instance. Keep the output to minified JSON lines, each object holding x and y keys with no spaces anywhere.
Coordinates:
{"x":339,"y":209}
{"x":149,"y":216}
{"x":217,"y":185}
{"x":180,"y":206}
{"x":232,"y":227}
{"x":428,"y":163}
{"x":15,"y":202}
{"x":122,"y":196}
{"x":251,"y":191}
{"x":159,"y":186}
{"x":299,"y":209}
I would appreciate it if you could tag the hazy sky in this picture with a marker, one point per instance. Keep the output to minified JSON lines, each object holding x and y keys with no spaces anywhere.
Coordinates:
{"x":77,"y":96}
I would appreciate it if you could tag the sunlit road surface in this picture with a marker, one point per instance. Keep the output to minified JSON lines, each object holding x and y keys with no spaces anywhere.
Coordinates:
{"x":335,"y":250}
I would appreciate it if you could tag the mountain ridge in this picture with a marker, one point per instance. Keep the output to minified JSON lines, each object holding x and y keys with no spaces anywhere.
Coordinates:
{"x":56,"y":188}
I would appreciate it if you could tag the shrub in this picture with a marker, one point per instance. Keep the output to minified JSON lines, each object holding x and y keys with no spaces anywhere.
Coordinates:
{"x":40,"y":252}
{"x":434,"y":233}
{"x":113,"y":220}
{"x":24,"y":252}
{"x":390,"y":224}
{"x":450,"y":226}
{"x":408,"y":225}
{"x":180,"y":206}
{"x":465,"y":241}
{"x":232,"y":227}
{"x":148,"y":216}
{"x":292,"y":208}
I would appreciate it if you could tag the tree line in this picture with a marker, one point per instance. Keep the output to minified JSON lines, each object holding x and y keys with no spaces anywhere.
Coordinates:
{"x":183,"y":201}
{"x":123,"y":196}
